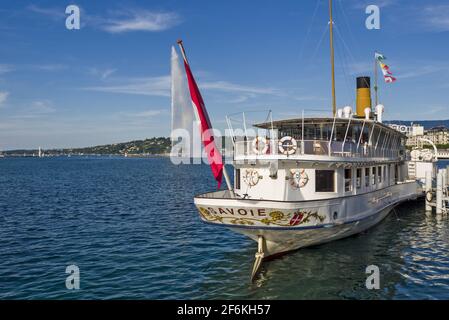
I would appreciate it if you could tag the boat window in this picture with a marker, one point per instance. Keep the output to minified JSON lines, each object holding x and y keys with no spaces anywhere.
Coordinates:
{"x":366,"y":177}
{"x":379,"y":174}
{"x":237,"y":179}
{"x":359,"y":178}
{"x":375,"y":136}
{"x":373,"y":176}
{"x":324,"y":181}
{"x":348,"y":180}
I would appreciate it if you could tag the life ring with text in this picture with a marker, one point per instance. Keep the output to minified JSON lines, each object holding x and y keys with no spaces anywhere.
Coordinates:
{"x":288,"y":145}
{"x":260,"y":145}
{"x":251,"y":177}
{"x":298,"y":178}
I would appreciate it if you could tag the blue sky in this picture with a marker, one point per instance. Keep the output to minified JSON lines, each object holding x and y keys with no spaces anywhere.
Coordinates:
{"x":109,"y":81}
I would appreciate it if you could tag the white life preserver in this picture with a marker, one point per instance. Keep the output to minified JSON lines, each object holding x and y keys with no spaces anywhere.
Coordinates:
{"x":288,"y":149}
{"x":427,"y":156}
{"x":415,"y":154}
{"x":429,"y":196}
{"x":298,"y":178}
{"x":256,"y":145}
{"x":251,"y":177}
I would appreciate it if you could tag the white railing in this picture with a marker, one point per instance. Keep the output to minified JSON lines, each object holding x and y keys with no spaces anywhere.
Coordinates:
{"x":339,"y":149}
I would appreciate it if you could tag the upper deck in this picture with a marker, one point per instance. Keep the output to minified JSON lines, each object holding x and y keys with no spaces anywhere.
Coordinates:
{"x":321,"y":139}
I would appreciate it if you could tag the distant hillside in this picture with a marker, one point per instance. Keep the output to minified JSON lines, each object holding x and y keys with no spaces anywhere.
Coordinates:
{"x":427,"y":124}
{"x":152,"y":146}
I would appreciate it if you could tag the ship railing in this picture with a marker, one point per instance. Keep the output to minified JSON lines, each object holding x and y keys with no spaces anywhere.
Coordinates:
{"x":348,"y":149}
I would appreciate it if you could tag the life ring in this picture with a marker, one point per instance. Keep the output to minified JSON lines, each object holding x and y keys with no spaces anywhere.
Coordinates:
{"x":429,"y":196}
{"x":251,"y":177}
{"x":298,"y":178}
{"x":427,"y":156}
{"x":288,"y":145}
{"x":256,"y":145}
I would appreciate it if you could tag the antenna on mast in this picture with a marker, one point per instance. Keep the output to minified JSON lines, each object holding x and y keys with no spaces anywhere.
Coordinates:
{"x":331,"y":34}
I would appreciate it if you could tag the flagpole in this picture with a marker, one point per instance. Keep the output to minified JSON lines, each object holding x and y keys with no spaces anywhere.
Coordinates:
{"x":375,"y":79}
{"x":331,"y":36}
{"x":225,"y":173}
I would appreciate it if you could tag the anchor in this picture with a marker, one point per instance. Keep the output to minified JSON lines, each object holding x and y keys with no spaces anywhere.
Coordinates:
{"x":259,"y":257}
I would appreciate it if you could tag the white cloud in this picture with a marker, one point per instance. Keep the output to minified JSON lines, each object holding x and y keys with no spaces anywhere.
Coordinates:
{"x":118,"y":21}
{"x":36,"y":109}
{"x":418,"y":72}
{"x":160,"y":86}
{"x":53,"y":13}
{"x":232,"y":87}
{"x":41,"y":107}
{"x":102,"y":73}
{"x":436,"y":17}
{"x":152,"y":86}
{"x":4,"y":68}
{"x":3,"y":96}
{"x":149,"y":113}
{"x":142,"y":114}
{"x":422,"y":68}
{"x":140,"y":20}
{"x":50,"y":67}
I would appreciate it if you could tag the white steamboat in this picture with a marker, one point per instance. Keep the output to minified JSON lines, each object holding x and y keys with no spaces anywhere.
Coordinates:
{"x":312,"y":180}
{"x":322,"y":180}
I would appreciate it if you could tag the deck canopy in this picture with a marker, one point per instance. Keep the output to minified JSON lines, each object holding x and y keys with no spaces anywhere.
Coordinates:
{"x":320,"y":124}
{"x":357,"y":130}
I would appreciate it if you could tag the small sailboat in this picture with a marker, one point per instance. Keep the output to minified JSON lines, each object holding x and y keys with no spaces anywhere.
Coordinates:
{"x":308,"y":180}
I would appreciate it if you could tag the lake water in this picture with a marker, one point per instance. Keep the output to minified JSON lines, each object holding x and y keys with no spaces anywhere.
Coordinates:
{"x":132,"y":229}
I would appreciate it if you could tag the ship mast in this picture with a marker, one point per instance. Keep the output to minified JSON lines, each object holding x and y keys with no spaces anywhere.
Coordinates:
{"x":331,"y":34}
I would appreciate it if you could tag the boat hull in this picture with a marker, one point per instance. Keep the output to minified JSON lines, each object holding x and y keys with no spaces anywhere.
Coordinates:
{"x":290,"y":240}
{"x":288,"y":226}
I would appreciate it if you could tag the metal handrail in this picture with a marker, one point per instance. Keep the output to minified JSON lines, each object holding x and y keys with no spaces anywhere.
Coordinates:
{"x":316,"y":147}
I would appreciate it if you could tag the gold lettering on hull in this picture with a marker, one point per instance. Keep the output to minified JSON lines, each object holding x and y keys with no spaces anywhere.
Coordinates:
{"x":251,"y":217}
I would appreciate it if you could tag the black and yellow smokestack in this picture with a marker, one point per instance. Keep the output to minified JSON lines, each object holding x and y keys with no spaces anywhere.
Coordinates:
{"x":363,"y":95}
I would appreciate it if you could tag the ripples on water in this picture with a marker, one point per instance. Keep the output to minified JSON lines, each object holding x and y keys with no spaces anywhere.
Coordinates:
{"x":131,"y":227}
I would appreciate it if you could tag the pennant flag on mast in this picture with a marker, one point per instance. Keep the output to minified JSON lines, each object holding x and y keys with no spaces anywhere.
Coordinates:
{"x":388,"y":76}
{"x":213,"y":154}
{"x":379,"y":57}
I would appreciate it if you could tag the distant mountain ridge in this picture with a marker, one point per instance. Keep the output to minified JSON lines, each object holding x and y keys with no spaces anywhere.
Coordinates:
{"x":427,"y":124}
{"x":151,"y":146}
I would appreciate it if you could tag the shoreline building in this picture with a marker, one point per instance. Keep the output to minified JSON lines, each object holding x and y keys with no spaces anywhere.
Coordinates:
{"x":438,"y":135}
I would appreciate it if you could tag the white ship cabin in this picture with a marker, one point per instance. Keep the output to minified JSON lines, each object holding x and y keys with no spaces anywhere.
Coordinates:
{"x":318,"y":158}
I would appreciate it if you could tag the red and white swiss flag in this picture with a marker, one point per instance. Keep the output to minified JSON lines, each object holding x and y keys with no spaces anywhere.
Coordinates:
{"x":213,"y":154}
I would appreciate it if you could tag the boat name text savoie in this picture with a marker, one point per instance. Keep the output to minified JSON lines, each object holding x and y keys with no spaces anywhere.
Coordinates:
{"x":259,"y":217}
{"x":239,"y":211}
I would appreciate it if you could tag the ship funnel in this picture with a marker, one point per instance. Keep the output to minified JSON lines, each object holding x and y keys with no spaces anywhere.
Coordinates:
{"x":363,"y":95}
